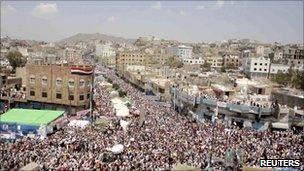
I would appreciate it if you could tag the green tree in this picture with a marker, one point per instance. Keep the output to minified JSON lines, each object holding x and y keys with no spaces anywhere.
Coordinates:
{"x":174,"y":62}
{"x":16,"y":59}
{"x":206,"y":66}
{"x":115,"y":86}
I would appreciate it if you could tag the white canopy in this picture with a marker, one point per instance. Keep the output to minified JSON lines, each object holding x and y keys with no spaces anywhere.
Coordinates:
{"x":117,"y":149}
{"x":124,"y":124}
{"x":79,"y":123}
{"x":280,"y":125}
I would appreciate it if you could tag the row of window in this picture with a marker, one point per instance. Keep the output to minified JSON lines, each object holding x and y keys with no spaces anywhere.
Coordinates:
{"x":132,"y":55}
{"x":132,"y":60}
{"x":259,"y":69}
{"x":260,"y":64}
{"x":59,"y":95}
{"x":71,"y":82}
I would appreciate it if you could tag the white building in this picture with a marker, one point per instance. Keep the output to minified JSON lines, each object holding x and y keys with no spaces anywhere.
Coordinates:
{"x":104,"y":50}
{"x":278,"y":55}
{"x":275,"y":68}
{"x":182,"y":51}
{"x":198,"y":61}
{"x":257,"y":67}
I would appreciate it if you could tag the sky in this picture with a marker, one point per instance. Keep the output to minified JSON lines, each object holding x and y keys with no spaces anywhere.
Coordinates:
{"x":194,"y":21}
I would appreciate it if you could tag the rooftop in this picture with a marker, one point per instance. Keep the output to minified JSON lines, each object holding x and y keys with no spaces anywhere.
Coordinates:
{"x":30,"y":116}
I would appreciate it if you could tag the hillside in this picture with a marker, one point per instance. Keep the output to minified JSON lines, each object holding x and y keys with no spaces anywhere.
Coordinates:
{"x":96,"y":36}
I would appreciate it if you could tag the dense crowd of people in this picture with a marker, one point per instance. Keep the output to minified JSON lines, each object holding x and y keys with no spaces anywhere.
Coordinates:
{"x":164,"y":139}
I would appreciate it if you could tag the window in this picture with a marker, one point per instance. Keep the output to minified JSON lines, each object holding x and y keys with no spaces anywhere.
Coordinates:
{"x":44,"y":81}
{"x":71,"y":83}
{"x":81,"y":97}
{"x":32,"y":79}
{"x":260,"y":69}
{"x":32,"y":93}
{"x":265,"y":64}
{"x":88,"y":95}
{"x":255,"y":63}
{"x":261,"y":64}
{"x":71,"y":97}
{"x":264,"y":69}
{"x":254,"y":69}
{"x":81,"y":83}
{"x":58,"y":81}
{"x":44,"y":94}
{"x":58,"y":96}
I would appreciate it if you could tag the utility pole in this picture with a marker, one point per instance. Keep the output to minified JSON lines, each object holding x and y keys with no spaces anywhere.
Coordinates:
{"x":92,"y":92}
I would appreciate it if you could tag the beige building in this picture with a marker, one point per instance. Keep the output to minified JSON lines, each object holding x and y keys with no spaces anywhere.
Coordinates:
{"x":124,"y":59}
{"x":215,"y":62}
{"x":56,"y":84}
{"x":231,"y":61}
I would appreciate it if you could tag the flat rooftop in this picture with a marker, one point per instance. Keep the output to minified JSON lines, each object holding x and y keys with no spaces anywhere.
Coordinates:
{"x":30,"y":116}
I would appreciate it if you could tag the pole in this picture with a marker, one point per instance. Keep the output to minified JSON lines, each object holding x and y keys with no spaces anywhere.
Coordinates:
{"x":92,"y":92}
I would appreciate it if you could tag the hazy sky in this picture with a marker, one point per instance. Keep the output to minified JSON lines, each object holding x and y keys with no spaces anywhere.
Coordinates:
{"x":195,"y":21}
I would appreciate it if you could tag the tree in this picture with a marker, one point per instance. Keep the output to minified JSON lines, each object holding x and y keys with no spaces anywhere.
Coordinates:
{"x":206,"y":66}
{"x":174,"y":62}
{"x":16,"y":59}
{"x":115,"y":86}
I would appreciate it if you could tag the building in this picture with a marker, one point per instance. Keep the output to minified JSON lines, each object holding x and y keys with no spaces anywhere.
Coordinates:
{"x":215,"y":62}
{"x":63,"y":85}
{"x":135,"y":58}
{"x":104,"y":50}
{"x":182,"y":51}
{"x":29,"y":120}
{"x":276,"y":68}
{"x":294,"y":56}
{"x":198,"y":61}
{"x":231,"y":61}
{"x":257,"y":67}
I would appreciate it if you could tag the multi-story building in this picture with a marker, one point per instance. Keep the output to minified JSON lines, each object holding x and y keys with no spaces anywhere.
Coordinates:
{"x":231,"y":61}
{"x":134,"y":58}
{"x":257,"y":67}
{"x":215,"y":62}
{"x":182,"y":51}
{"x":193,"y":61}
{"x":63,"y":85}
{"x":294,"y":56}
{"x":104,"y":50}
{"x":276,"y":68}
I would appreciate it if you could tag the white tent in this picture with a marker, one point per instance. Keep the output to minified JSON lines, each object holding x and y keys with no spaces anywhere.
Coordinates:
{"x":114,"y":94}
{"x":280,"y":125}
{"x":117,"y":149}
{"x":79,"y":123}
{"x":124,"y":124}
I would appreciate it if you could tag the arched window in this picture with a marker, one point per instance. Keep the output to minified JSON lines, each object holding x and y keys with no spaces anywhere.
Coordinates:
{"x":58,"y":81}
{"x":71,"y":83}
{"x":32,"y":79}
{"x":44,"y":80}
{"x":81,"y":83}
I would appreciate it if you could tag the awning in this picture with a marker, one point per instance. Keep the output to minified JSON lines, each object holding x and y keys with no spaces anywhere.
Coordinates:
{"x":280,"y":125}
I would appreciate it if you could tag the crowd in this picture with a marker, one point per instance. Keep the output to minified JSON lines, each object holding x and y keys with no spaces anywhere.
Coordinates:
{"x":163,"y":140}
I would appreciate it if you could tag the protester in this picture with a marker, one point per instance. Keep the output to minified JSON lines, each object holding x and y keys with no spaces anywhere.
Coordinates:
{"x":165,"y":138}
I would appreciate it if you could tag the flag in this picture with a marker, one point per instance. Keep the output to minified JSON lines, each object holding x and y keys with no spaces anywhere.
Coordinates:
{"x":79,"y":70}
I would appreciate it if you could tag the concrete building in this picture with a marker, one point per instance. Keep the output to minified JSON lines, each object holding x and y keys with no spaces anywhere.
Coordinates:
{"x":276,"y":68}
{"x":124,"y":59}
{"x":215,"y":62}
{"x":295,"y":56}
{"x":231,"y":61}
{"x":257,"y":67}
{"x":198,"y":61}
{"x":182,"y":51}
{"x":104,"y":50}
{"x":59,"y":84}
